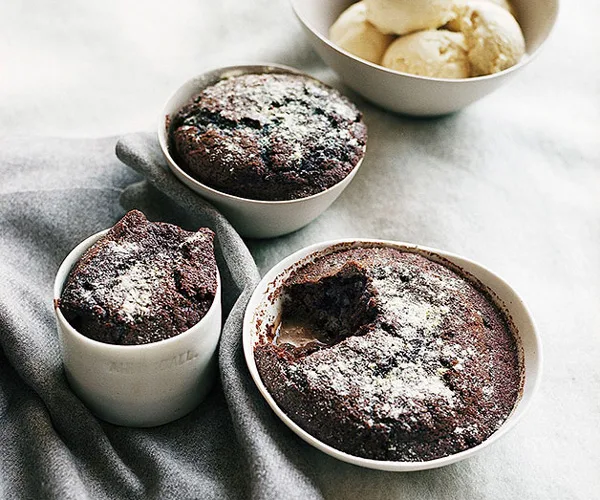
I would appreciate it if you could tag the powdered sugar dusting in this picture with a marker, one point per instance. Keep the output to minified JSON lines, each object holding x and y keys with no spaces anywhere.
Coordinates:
{"x":134,"y":289}
{"x":395,"y":379}
{"x":127,"y":289}
{"x":135,"y":278}
{"x":291,"y":118}
{"x":196,"y":238}
{"x":122,"y":248}
{"x":417,"y":317}
{"x":409,"y":367}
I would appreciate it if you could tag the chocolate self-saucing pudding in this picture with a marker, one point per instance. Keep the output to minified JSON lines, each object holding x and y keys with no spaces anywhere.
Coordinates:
{"x":268,"y":136}
{"x":385,"y":354}
{"x":141,"y":282}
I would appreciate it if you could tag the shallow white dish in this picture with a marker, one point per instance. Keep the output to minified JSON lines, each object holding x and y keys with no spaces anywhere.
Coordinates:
{"x":139,"y":385}
{"x":265,"y":306}
{"x":412,"y":94}
{"x":251,"y":218}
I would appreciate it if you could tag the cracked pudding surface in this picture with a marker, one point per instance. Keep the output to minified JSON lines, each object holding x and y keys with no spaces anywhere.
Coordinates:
{"x":268,"y":136}
{"x":141,"y":282}
{"x":400,"y":358}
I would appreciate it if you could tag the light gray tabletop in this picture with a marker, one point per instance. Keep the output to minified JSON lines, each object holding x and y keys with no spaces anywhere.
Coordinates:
{"x":512,"y":182}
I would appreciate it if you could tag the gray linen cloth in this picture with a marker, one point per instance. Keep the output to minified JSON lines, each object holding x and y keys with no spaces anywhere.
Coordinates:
{"x":519,"y":193}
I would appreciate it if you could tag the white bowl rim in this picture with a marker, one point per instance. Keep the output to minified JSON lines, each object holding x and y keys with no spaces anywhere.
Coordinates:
{"x":386,"y":465}
{"x":162,"y":135}
{"x":64,"y":270}
{"x":527,"y":58}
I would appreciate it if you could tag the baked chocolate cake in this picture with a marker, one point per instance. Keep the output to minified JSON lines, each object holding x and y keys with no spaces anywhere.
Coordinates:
{"x":400,"y":358}
{"x":268,"y":136}
{"x":142,"y":282}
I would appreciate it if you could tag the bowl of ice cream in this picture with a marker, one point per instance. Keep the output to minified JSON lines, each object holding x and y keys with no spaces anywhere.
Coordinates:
{"x":426,"y":57}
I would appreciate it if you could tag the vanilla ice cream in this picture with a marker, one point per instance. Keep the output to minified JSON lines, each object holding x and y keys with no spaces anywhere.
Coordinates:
{"x":504,"y":4}
{"x":433,"y":53}
{"x":454,"y":24}
{"x":438,"y":38}
{"x":405,"y":16}
{"x":494,"y":38}
{"x":352,"y":32}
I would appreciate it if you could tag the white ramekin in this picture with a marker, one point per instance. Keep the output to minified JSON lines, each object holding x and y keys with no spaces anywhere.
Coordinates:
{"x":264,"y":308}
{"x":139,"y":385}
{"x":251,"y":218}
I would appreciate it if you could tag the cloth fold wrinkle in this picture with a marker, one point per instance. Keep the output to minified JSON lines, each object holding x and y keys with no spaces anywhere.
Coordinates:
{"x":277,"y":466}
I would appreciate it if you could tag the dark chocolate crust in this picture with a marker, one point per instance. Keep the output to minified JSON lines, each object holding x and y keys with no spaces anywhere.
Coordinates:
{"x":269,"y":136}
{"x":141,"y":282}
{"x":431,"y":369}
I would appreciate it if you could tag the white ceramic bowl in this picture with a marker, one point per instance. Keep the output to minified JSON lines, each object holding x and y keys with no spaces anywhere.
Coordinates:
{"x":139,"y":385}
{"x":412,"y":94}
{"x":251,"y":218}
{"x":265,"y":306}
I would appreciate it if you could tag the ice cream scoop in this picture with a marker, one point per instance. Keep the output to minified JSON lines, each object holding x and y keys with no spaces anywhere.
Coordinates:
{"x":405,"y":16}
{"x":352,"y":32}
{"x":504,"y":4}
{"x":433,"y":53}
{"x":494,"y":38}
{"x":454,"y":24}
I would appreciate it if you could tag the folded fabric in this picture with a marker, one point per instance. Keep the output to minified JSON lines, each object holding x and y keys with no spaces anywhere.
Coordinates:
{"x":54,"y":193}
